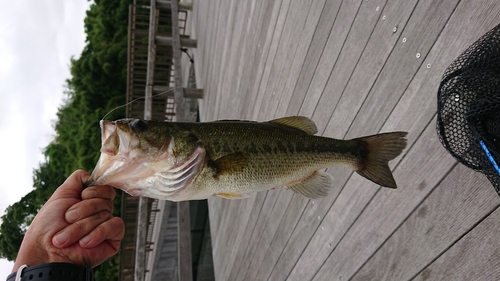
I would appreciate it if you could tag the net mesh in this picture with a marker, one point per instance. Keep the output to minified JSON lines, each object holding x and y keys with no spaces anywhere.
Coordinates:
{"x":468,"y":121}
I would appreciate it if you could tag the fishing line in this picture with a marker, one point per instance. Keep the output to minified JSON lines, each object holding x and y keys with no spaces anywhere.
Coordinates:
{"x":136,"y":99}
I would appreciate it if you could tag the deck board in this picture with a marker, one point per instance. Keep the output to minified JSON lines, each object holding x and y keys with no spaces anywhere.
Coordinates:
{"x":474,"y":257}
{"x":342,"y":64}
{"x":323,"y":56}
{"x":379,"y":49}
{"x":274,"y":60}
{"x":433,"y":227}
{"x":385,"y":211}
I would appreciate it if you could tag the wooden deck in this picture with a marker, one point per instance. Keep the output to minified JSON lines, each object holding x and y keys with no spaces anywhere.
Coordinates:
{"x":356,"y":68}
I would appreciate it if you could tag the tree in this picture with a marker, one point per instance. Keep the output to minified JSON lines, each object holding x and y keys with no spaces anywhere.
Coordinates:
{"x":97,"y":85}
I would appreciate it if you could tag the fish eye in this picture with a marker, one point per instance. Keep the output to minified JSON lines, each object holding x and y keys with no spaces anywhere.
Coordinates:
{"x":138,"y":125}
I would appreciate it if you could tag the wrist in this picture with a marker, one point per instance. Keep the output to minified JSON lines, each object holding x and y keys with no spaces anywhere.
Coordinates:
{"x":54,"y":272}
{"x":31,"y":255}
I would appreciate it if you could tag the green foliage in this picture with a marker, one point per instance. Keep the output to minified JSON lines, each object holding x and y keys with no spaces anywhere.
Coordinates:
{"x":97,"y":85}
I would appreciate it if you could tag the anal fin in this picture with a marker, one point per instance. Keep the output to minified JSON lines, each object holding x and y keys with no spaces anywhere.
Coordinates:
{"x":314,"y":186}
{"x":232,"y":195}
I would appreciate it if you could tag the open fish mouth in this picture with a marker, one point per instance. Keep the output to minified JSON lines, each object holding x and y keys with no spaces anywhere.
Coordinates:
{"x":117,"y":158}
{"x":157,"y":172}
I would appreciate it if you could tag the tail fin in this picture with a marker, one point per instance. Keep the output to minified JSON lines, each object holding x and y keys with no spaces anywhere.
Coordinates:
{"x":379,"y":150}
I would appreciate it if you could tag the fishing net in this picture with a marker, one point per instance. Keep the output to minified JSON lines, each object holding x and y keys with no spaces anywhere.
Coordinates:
{"x":468,"y":118}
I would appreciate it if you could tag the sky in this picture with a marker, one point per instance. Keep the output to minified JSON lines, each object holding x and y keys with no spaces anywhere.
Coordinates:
{"x":37,"y":40}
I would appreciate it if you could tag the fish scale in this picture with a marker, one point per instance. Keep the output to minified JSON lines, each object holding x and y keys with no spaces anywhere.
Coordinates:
{"x":234,"y":158}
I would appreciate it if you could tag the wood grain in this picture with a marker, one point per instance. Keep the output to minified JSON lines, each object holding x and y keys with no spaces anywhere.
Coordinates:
{"x":343,"y":64}
{"x":473,"y":257}
{"x":433,"y":227}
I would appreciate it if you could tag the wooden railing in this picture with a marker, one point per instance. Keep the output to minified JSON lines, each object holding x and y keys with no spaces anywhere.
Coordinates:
{"x":155,"y":92}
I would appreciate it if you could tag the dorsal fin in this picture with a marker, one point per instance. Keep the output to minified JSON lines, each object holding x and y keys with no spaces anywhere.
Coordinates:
{"x":298,"y":122}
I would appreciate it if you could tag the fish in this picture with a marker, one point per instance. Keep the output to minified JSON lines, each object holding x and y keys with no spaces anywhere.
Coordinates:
{"x":232,"y":158}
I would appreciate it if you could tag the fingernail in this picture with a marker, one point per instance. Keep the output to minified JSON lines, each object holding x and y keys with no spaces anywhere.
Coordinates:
{"x":90,"y":193}
{"x":85,"y":240}
{"x":61,"y":238}
{"x":72,"y":215}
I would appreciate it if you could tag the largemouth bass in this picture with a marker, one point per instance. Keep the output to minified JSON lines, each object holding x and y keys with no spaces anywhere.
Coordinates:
{"x":230,"y":159}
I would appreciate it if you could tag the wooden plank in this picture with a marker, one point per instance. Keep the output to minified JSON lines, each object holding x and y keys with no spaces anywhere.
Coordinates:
{"x":276,"y":216}
{"x":343,"y":219}
{"x":230,"y":238}
{"x":309,"y":221}
{"x":422,"y":29}
{"x":326,"y":46}
{"x":140,"y":248}
{"x":217,"y":213}
{"x":261,"y":50}
{"x":266,"y":229}
{"x":321,"y":99}
{"x":211,"y":60}
{"x":166,"y":5}
{"x":434,"y":226}
{"x":279,"y":240}
{"x":244,"y":229}
{"x":292,"y":26}
{"x":226,"y":38}
{"x":266,"y":63}
{"x":249,"y":250}
{"x":257,"y":24}
{"x":238,"y":218}
{"x":420,"y":94}
{"x":255,"y":237}
{"x":183,"y":217}
{"x":184,"y":260}
{"x":142,"y":215}
{"x":168,"y":41}
{"x":188,"y":93}
{"x":474,"y":257}
{"x":299,"y":29}
{"x":176,"y":47}
{"x":160,"y":227}
{"x":230,"y":108}
{"x":234,"y":241}
{"x":218,"y":9}
{"x":241,"y":238}
{"x":292,"y":242}
{"x":283,"y":237}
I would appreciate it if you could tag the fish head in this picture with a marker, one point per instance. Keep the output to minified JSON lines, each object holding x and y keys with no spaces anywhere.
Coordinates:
{"x":141,"y":158}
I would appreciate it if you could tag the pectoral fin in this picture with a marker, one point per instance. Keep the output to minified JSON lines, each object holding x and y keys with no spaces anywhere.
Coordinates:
{"x":232,"y":195}
{"x":314,"y":186}
{"x":231,"y":163}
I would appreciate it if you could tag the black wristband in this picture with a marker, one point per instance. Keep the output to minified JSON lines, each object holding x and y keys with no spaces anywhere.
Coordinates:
{"x":57,"y":271}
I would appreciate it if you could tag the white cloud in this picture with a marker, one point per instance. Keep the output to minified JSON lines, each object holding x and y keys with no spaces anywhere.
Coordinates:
{"x":37,"y":39}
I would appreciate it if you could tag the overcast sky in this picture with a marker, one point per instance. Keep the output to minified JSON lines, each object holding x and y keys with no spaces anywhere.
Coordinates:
{"x":37,"y":40}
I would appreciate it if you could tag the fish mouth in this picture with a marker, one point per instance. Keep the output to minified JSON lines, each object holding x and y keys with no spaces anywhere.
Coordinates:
{"x":113,"y":143}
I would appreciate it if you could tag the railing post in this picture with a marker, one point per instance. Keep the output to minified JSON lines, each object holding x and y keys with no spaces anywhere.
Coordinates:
{"x":184,"y":228}
{"x":142,"y":217}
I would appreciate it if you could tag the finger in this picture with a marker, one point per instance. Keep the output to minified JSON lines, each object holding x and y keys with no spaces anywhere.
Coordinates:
{"x":74,"y":232}
{"x":73,"y":185}
{"x":100,"y":191}
{"x":112,"y":231}
{"x":87,"y":208}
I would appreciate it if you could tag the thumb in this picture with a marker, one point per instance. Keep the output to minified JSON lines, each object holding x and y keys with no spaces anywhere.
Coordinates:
{"x":72,"y":187}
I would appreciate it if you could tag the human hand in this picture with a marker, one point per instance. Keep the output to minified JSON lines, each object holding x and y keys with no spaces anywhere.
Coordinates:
{"x":69,"y":229}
